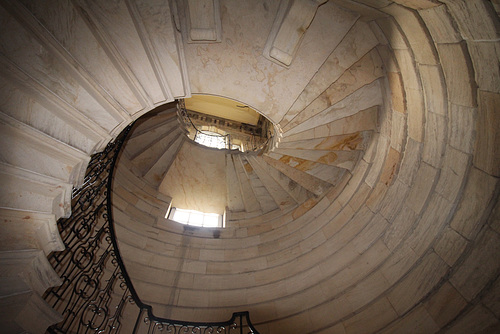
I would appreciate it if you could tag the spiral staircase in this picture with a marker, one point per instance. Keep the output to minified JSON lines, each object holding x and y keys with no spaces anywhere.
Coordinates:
{"x":375,"y":209}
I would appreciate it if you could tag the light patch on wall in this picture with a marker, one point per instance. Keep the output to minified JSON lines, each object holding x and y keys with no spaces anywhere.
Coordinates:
{"x":195,"y":218}
{"x":197,"y":179}
{"x":222,"y":107}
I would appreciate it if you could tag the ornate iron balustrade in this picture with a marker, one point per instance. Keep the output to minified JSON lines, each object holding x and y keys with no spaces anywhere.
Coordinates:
{"x":96,"y":289}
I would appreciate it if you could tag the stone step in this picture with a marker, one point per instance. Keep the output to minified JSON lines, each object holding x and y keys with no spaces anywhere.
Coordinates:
{"x":234,"y":197}
{"x":263,"y":196}
{"x":139,"y":188}
{"x":22,"y":311}
{"x":317,"y":186}
{"x":31,"y":266}
{"x":160,"y":168}
{"x":249,"y":197}
{"x":30,"y":149}
{"x":361,"y":121}
{"x":327,"y":173}
{"x":297,"y":192}
{"x":366,"y":70}
{"x":146,"y":160}
{"x":280,"y":196}
{"x":363,"y":98}
{"x":358,"y":41}
{"x":347,"y":142}
{"x":341,"y":159}
{"x":142,"y":142}
{"x":29,"y":230}
{"x":156,"y":119}
{"x":25,"y":190}
{"x":58,"y":69}
{"x":28,"y":101}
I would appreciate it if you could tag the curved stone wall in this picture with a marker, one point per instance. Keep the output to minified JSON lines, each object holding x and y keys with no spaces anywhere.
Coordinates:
{"x":408,"y":242}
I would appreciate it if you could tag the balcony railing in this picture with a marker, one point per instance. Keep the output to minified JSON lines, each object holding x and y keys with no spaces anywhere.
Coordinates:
{"x":96,"y":289}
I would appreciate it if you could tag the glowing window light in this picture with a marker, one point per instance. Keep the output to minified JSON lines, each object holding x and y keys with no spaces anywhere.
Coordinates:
{"x":210,"y":139}
{"x":195,"y":218}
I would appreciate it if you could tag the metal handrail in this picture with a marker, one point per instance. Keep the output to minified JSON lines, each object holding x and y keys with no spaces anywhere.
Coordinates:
{"x":92,"y":268}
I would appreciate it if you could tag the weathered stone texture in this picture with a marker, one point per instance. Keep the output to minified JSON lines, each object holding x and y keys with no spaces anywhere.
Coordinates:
{"x":487,"y":149}
{"x":459,"y":74}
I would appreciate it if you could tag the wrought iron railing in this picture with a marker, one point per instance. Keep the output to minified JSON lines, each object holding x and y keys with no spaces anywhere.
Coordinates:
{"x":96,"y":289}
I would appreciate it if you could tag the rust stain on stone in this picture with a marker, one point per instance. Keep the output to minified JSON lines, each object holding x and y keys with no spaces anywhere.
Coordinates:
{"x":390,"y":167}
{"x":350,"y":142}
{"x":328,"y":158}
{"x":298,"y":163}
{"x":248,"y":168}
{"x":304,"y":207}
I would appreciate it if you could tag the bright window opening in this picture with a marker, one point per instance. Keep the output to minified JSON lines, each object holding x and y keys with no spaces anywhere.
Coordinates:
{"x":196,"y":218}
{"x":211,"y":139}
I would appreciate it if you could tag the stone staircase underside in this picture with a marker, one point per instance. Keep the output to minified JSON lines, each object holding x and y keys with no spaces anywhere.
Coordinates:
{"x":376,"y":212}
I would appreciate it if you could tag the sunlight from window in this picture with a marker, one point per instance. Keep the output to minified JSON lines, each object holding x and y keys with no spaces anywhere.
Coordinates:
{"x":195,"y":218}
{"x":210,"y":139}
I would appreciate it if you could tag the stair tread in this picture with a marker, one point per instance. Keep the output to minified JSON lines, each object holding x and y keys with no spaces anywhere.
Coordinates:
{"x":309,"y":182}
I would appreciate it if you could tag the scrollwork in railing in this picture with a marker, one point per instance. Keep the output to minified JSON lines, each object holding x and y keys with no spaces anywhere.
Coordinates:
{"x":96,"y":288}
{"x":238,"y":324}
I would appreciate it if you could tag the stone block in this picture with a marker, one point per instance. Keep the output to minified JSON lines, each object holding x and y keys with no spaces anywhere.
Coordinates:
{"x":376,"y":3}
{"x":402,"y":224}
{"x":461,"y":127}
{"x":450,"y":246}
{"x":434,"y":89}
{"x":371,"y":235}
{"x":441,"y":25}
{"x":494,"y":218}
{"x":377,"y":164}
{"x":416,"y":112}
{"x":418,"y":4}
{"x":387,"y":55}
{"x":391,"y":164}
{"x":372,"y":318}
{"x":416,"y":321}
{"x":479,"y":191}
{"x":377,"y":195}
{"x":455,"y":165}
{"x":492,"y":299}
{"x":392,"y":33}
{"x":398,"y":264}
{"x":480,"y":267}
{"x":487,"y":149}
{"x":414,"y":29}
{"x":459,"y":73}
{"x":398,"y":99}
{"x":367,"y":290}
{"x":476,"y":19}
{"x":379,"y":33}
{"x":445,"y":304}
{"x":410,"y":161}
{"x":417,"y":283}
{"x":393,"y":200}
{"x":435,"y":139}
{"x":477,"y":320}
{"x":485,"y":58}
{"x":398,"y":131}
{"x":367,"y":13}
{"x":430,"y":225}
